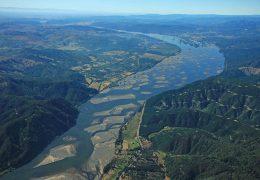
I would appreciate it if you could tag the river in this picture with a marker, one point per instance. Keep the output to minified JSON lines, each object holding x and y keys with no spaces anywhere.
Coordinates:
{"x":87,"y":147}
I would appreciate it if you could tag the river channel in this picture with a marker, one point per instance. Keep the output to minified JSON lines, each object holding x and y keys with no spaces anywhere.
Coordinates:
{"x":86,"y":148}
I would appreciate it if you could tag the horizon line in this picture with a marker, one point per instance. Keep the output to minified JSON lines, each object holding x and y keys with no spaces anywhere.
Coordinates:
{"x":82,"y":12}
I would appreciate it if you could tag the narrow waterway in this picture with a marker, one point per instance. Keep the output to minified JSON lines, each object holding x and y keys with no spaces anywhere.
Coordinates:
{"x":86,"y":148}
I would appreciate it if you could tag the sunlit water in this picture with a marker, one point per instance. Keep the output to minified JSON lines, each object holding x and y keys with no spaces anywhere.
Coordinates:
{"x":89,"y":146}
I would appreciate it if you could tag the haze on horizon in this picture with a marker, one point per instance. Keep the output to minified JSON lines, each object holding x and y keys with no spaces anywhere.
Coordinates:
{"x":230,"y":7}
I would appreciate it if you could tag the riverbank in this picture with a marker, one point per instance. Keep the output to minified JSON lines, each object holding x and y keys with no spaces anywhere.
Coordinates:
{"x":101,"y":118}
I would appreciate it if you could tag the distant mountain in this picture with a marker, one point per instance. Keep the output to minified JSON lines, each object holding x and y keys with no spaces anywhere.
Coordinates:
{"x":32,"y":13}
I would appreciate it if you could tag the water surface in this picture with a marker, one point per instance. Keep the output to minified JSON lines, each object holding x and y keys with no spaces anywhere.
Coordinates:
{"x":89,"y":146}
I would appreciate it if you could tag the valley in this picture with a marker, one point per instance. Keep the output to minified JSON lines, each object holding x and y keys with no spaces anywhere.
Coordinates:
{"x":46,"y":62}
{"x":208,"y":129}
{"x":101,"y":118}
{"x":130,"y":97}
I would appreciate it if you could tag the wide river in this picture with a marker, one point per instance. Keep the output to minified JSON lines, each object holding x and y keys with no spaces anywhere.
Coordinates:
{"x":84,"y":150}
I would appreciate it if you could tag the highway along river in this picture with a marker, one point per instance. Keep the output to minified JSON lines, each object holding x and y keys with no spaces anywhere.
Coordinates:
{"x":84,"y":150}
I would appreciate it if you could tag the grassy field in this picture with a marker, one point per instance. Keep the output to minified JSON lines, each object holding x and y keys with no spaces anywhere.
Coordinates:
{"x":127,"y":149}
{"x":130,"y":139}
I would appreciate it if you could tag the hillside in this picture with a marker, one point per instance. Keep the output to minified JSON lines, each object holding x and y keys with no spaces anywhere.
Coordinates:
{"x":33,"y":113}
{"x":208,"y":129}
{"x":49,"y":68}
{"x":28,"y":125}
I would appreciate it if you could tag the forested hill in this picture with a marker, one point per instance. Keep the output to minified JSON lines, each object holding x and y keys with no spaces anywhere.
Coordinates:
{"x":28,"y":125}
{"x":212,"y":124}
{"x":50,"y":67}
{"x":238,"y":37}
{"x":209,"y":129}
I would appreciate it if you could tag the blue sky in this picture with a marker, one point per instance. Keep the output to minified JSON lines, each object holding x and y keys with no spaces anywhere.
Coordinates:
{"x":143,"y":6}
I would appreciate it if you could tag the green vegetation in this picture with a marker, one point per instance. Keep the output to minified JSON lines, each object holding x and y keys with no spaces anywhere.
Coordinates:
{"x":130,"y":139}
{"x":127,"y":142}
{"x":47,"y":69}
{"x":84,"y":54}
{"x":131,"y":161}
{"x":238,"y":37}
{"x":208,"y":129}
{"x":28,"y":125}
{"x":32,"y":114}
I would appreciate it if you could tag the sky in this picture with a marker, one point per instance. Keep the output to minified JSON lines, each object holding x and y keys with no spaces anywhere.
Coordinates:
{"x":229,"y":7}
